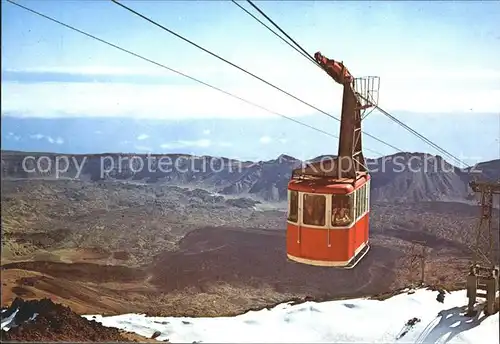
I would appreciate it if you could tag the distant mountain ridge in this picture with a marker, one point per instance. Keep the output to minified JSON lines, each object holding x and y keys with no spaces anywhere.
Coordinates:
{"x":402,"y":177}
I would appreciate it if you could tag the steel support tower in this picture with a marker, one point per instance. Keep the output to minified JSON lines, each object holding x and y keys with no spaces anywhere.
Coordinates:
{"x":482,"y":281}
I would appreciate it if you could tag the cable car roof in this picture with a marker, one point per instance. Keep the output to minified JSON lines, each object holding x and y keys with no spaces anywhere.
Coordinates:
{"x":327,"y":185}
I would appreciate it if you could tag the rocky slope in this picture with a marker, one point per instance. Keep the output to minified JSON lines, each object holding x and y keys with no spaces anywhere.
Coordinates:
{"x":113,"y":248}
{"x":44,"y":321}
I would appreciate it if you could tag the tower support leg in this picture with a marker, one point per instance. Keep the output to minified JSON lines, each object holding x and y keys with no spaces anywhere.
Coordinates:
{"x":471,"y":293}
{"x":491,"y":287}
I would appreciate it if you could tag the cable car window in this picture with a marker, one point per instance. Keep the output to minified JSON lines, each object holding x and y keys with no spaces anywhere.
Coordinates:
{"x":365,"y":206}
{"x":293,"y":206}
{"x":314,"y":210}
{"x":362,"y":199}
{"x":342,"y":210}
{"x":368,"y":196}
{"x":357,"y":208}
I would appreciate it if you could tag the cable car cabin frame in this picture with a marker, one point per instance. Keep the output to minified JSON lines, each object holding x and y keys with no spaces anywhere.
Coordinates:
{"x":321,"y":237}
{"x":321,"y":195}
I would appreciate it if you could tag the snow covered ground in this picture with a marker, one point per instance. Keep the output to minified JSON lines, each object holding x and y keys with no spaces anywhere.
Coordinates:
{"x":9,"y":322}
{"x":357,"y":320}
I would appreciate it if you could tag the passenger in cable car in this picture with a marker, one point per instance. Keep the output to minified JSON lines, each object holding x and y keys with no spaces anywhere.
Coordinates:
{"x":340,"y":211}
{"x":314,"y":206}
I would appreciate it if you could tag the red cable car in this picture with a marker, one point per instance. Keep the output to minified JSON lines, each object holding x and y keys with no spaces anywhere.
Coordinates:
{"x":329,"y":201}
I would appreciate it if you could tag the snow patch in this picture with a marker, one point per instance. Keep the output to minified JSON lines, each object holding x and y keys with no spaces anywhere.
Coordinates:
{"x":404,"y":318}
{"x":9,"y":322}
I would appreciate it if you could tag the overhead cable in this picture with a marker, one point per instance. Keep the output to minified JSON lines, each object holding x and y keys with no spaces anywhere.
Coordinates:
{"x":384,"y":112}
{"x":306,"y":55}
{"x":242,"y":69}
{"x":174,"y":71}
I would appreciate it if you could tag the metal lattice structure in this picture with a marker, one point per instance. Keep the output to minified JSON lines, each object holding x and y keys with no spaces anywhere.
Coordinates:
{"x":415,"y":262}
{"x":367,"y":91}
{"x":482,"y":281}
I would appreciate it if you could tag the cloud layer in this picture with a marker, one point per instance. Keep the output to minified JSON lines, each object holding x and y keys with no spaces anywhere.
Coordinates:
{"x":101,"y":92}
{"x":57,"y":140}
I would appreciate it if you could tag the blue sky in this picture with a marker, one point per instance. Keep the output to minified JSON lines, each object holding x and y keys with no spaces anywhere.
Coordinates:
{"x":436,"y":60}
